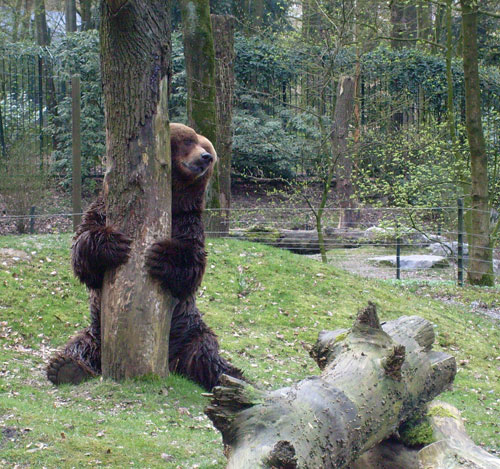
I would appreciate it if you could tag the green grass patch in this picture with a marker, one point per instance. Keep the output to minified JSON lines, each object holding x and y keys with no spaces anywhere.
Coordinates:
{"x":266,"y":305}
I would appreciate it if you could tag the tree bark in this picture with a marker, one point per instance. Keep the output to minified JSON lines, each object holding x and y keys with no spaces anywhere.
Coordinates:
{"x":86,"y":14}
{"x":223,"y":30}
{"x":343,"y":113}
{"x":17,"y":13}
{"x":42,"y":33}
{"x":404,"y":23}
{"x":199,"y":55}
{"x":480,"y":270}
{"x":373,"y":379}
{"x":70,"y":15}
{"x":26,"y":20}
{"x":135,"y":61}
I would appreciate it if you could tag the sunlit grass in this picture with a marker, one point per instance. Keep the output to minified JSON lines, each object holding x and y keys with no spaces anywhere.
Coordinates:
{"x":265,"y":304}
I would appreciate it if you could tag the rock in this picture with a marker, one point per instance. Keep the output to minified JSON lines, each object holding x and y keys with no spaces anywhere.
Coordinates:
{"x":9,"y":256}
{"x":412,"y":262}
{"x":448,"y":249}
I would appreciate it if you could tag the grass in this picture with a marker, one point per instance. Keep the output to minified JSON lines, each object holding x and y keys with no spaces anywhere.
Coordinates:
{"x":266,"y":305}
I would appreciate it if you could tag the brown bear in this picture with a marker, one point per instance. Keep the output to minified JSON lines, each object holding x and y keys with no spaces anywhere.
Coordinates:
{"x":178,"y":263}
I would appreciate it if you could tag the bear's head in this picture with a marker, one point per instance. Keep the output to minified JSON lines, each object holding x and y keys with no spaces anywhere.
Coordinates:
{"x":193,"y":156}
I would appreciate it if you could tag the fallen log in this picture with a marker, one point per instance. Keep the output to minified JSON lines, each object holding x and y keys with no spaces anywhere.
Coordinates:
{"x":450,"y":448}
{"x":373,"y":378}
{"x":299,"y":241}
{"x":453,"y":448}
{"x":306,"y":241}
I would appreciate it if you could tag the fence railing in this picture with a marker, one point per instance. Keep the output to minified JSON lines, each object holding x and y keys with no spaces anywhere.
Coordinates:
{"x":383,"y":243}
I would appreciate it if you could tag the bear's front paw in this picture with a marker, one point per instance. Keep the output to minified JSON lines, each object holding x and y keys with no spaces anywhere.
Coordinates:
{"x":114,"y":247}
{"x":157,"y":258}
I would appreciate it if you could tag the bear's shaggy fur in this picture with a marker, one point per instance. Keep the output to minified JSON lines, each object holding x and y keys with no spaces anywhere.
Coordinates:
{"x":178,"y":263}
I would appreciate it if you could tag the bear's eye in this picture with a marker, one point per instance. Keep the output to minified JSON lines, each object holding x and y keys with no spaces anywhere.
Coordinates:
{"x":188,"y":142}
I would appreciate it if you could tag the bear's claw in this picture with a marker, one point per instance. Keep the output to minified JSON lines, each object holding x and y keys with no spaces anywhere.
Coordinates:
{"x":68,"y":370}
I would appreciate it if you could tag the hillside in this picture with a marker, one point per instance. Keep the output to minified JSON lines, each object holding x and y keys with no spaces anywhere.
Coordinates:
{"x":266,"y":305}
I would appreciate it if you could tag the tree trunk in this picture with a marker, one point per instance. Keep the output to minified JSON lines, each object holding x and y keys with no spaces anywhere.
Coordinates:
{"x":452,"y":448}
{"x":26,"y":20}
{"x":424,"y":19}
{"x":16,"y":19}
{"x":70,"y":15}
{"x":404,"y":23}
{"x":223,"y":30}
{"x":42,"y":34}
{"x":199,"y":55}
{"x":135,"y":56}
{"x":438,"y":22}
{"x":343,"y":113}
{"x":480,"y":270}
{"x":373,"y":379}
{"x":86,"y":14}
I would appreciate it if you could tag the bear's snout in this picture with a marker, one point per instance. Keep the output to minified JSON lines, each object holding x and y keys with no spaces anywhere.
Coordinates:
{"x":206,"y":157}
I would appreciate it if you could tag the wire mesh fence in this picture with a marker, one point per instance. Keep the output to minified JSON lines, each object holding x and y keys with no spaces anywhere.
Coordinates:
{"x":383,"y":242}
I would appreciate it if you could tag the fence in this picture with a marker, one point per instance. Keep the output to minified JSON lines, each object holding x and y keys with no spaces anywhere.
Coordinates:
{"x":29,"y":91}
{"x":382,"y":244}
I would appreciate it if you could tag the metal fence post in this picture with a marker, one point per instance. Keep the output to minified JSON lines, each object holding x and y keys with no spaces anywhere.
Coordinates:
{"x":40,"y":107}
{"x":77,"y":153}
{"x":460,"y":250}
{"x":32,"y":219}
{"x":398,"y":253}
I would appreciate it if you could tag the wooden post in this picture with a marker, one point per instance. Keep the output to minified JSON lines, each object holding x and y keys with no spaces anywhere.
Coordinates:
{"x":77,"y":151}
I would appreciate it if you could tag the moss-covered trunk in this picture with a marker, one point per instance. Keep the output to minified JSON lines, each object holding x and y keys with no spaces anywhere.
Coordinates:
{"x":480,"y":271}
{"x":199,"y":56}
{"x":135,"y":57}
{"x":374,"y":377}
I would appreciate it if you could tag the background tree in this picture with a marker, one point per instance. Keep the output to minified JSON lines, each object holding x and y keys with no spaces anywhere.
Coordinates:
{"x":480,"y":271}
{"x":199,"y":58}
{"x":135,"y":60}
{"x":86,"y":14}
{"x":223,"y":30}
{"x":70,"y":15}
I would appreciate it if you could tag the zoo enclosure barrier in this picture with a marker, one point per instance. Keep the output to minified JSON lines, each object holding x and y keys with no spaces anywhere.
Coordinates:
{"x":382,"y":242}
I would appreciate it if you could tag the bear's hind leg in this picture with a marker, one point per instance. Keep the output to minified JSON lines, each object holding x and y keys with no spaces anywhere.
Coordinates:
{"x":78,"y":361}
{"x":81,"y":357}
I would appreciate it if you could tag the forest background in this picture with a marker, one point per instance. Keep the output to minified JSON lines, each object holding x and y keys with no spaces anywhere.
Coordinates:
{"x":406,"y":144}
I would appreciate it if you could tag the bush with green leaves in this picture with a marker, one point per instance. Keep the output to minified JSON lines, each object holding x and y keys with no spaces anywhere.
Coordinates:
{"x":414,"y":167}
